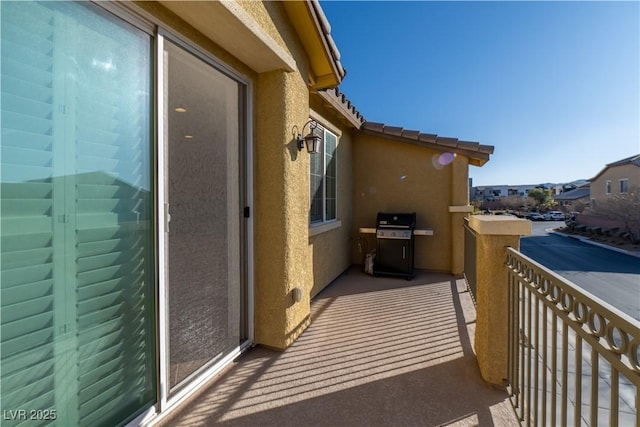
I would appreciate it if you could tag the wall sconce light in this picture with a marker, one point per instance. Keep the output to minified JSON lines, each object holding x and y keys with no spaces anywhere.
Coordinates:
{"x":311,"y":140}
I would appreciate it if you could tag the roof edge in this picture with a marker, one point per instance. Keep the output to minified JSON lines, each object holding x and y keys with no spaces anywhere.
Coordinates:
{"x":631,"y":160}
{"x":343,"y":106}
{"x":478,"y":153}
{"x":314,"y":31}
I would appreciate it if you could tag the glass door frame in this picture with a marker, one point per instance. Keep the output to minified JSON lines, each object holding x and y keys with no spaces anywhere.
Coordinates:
{"x":166,"y":400}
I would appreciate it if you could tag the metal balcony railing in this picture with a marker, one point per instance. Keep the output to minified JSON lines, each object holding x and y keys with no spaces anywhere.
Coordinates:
{"x":573,"y":359}
{"x":470,"y":258}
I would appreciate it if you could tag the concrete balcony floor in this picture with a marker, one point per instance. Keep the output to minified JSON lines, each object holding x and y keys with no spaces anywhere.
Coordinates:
{"x":379,"y":352}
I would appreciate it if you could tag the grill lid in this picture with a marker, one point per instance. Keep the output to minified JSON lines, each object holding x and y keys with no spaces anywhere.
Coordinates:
{"x":396,"y":220}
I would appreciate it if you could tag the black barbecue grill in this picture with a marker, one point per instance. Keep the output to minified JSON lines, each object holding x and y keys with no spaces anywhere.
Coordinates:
{"x":394,"y":244}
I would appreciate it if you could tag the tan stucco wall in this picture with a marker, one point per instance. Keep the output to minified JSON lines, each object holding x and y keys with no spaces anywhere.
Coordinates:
{"x":175,"y":23}
{"x":615,"y":174}
{"x":282,"y":254}
{"x":271,"y":19}
{"x":281,"y":188}
{"x":287,"y":257}
{"x":395,"y":176}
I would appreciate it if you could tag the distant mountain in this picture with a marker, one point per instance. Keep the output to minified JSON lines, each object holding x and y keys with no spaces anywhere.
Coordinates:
{"x":577,"y":183}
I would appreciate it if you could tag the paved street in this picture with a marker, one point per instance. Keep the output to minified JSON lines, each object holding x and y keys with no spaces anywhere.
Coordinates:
{"x":611,"y":276}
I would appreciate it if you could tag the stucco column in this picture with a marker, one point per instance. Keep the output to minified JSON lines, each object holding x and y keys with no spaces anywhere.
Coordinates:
{"x":458,"y":210}
{"x":281,"y":186}
{"x":493,"y":235}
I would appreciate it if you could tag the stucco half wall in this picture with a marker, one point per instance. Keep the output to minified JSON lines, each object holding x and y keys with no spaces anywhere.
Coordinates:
{"x":391,"y":176}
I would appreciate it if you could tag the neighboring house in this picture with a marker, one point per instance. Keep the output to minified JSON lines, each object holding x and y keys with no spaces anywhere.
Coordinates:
{"x":574,"y":199}
{"x":619,"y":177}
{"x":158,"y":216}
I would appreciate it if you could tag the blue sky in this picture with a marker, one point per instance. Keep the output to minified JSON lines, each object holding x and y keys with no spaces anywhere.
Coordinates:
{"x":553,"y":86}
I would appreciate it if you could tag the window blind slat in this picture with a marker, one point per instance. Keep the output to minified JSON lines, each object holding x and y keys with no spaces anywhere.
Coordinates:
{"x":93,"y":362}
{"x":93,"y":205}
{"x":29,"y":123}
{"x":22,"y":311}
{"x":20,"y":259}
{"x":36,"y":359}
{"x":36,"y":190}
{"x":26,"y":325}
{"x":96,"y":304}
{"x":27,"y":207}
{"x":101,"y":312}
{"x":12,"y":85}
{"x":103,"y":246}
{"x":21,"y":276}
{"x":25,"y":225}
{"x":104,"y":219}
{"x":26,"y":292}
{"x":91,"y":191}
{"x":98,"y":369}
{"x":26,"y":141}
{"x":91,"y":235}
{"x":38,"y":392}
{"x":98,"y":337}
{"x":24,"y":343}
{"x":26,"y":106}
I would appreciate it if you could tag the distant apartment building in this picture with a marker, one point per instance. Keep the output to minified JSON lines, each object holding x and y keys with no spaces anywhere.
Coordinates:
{"x":493,"y":193}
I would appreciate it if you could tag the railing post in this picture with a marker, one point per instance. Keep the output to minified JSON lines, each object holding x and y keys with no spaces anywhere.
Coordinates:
{"x":493,"y":235}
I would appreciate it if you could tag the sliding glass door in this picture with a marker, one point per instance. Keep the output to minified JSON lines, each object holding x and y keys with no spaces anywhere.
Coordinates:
{"x":203,"y":110}
{"x":104,"y":313}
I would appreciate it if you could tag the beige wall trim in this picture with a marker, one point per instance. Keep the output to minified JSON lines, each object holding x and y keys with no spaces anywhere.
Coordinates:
{"x":226,"y":23}
{"x":500,"y":225}
{"x":461,"y":208}
{"x":314,"y":230}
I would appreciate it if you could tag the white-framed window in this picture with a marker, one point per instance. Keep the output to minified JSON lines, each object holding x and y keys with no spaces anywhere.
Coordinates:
{"x":607,"y":187}
{"x":624,"y":185}
{"x":323,"y":179}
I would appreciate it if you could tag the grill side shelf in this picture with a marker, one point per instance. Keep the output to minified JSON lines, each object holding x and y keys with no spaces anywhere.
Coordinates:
{"x":417,"y":232}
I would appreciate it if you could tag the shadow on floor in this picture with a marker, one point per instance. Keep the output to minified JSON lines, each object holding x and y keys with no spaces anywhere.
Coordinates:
{"x":379,"y":352}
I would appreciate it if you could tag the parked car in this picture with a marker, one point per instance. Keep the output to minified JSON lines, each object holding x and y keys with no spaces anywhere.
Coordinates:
{"x":535,"y":216}
{"x":503,"y":213}
{"x":554,"y":216}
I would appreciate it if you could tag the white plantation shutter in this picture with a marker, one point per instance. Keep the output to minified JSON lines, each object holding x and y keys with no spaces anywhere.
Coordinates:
{"x":77,"y":261}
